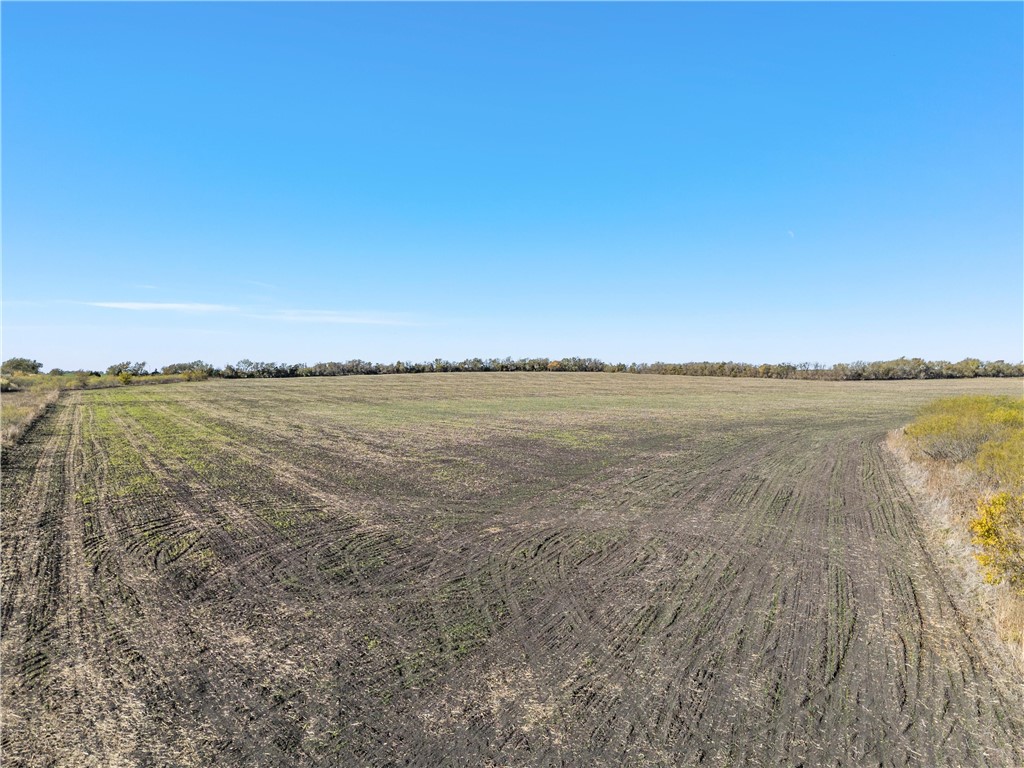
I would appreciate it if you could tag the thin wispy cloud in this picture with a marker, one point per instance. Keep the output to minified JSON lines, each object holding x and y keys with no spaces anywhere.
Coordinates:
{"x":260,"y":284}
{"x":28,"y":303}
{"x":334,"y":317}
{"x":152,"y":306}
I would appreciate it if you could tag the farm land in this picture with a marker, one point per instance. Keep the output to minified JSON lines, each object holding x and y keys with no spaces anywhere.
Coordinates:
{"x":487,"y":569}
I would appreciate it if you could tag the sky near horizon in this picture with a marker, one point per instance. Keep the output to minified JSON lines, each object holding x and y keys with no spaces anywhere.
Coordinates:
{"x":635,"y":182}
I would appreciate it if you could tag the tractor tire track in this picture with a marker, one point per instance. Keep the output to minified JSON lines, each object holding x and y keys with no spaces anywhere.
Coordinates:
{"x":188,"y":582}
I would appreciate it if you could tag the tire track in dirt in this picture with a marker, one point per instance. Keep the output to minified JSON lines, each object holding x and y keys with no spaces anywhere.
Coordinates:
{"x":825,"y":676}
{"x":254,"y":554}
{"x":32,"y":536}
{"x":716,"y":596}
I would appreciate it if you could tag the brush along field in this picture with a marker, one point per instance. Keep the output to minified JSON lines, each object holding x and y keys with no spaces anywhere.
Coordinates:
{"x":487,"y":569}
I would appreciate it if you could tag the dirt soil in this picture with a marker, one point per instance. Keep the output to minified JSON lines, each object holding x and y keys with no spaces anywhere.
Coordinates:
{"x":478,"y":569}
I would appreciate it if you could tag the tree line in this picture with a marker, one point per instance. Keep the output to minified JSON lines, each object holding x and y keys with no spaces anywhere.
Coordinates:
{"x":882,"y":370}
{"x":879,"y":370}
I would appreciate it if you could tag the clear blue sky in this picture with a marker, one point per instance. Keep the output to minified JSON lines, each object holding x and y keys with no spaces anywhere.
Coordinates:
{"x":304,"y":182}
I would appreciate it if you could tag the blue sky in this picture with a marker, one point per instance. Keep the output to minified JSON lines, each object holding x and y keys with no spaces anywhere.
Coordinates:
{"x":304,"y":182}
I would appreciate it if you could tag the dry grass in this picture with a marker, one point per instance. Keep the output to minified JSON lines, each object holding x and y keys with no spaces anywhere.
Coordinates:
{"x":948,"y":493}
{"x":20,"y":410}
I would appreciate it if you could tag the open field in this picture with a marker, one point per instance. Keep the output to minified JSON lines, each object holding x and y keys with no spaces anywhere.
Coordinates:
{"x":487,"y":569}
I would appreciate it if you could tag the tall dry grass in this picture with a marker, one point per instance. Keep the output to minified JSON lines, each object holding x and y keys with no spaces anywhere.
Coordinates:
{"x":19,"y":410}
{"x":965,"y":456}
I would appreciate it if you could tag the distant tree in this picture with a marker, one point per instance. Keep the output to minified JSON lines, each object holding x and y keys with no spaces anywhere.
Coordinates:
{"x":901,"y":368}
{"x":197,"y":369}
{"x":20,"y":365}
{"x":135,"y":369}
{"x":968,"y":368}
{"x":1002,"y":368}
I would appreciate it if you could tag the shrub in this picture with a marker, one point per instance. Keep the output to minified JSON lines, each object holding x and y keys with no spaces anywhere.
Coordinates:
{"x":1001,"y":461}
{"x":985,"y":435}
{"x":955,"y":429}
{"x":998,"y":529}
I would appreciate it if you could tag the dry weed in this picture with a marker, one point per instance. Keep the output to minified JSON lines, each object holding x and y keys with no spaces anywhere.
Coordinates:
{"x":948,"y":493}
{"x":20,"y":410}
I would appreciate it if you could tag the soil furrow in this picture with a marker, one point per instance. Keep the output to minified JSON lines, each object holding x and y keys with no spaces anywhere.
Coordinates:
{"x":486,"y":570}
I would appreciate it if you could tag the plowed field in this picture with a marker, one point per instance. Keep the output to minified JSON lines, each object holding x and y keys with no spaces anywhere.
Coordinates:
{"x":486,"y":569}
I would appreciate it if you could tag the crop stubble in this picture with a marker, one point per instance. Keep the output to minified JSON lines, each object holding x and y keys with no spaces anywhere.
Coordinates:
{"x":517,"y":569}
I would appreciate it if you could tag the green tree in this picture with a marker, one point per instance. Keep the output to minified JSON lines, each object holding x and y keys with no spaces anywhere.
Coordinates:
{"x":135,"y":369}
{"x":20,"y":365}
